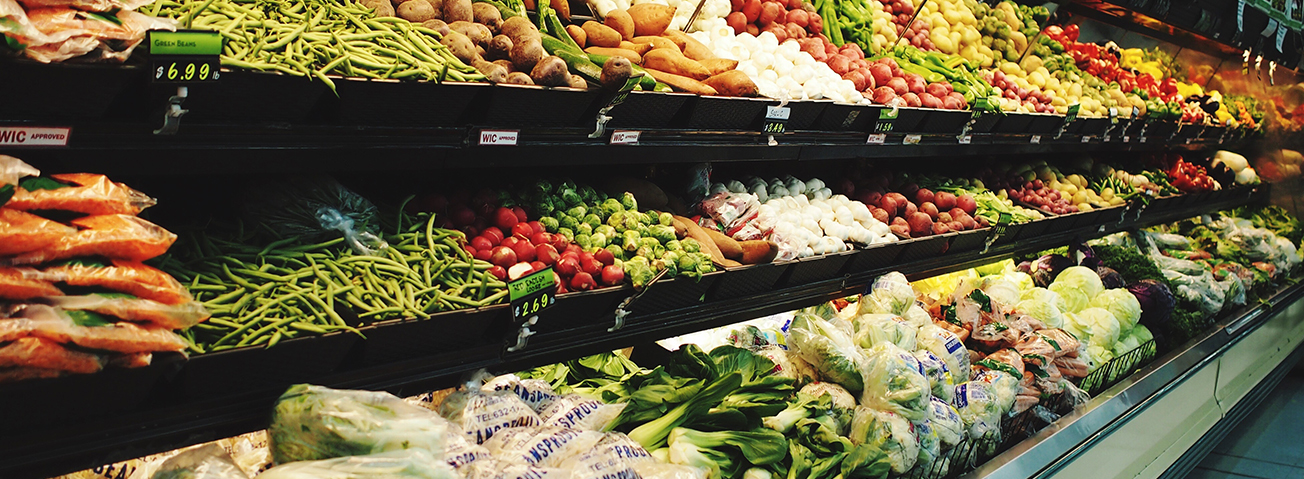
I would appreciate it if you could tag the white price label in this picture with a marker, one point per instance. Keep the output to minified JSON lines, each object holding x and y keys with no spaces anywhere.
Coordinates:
{"x":911,"y":140}
{"x":1086,"y":138}
{"x":966,"y":139}
{"x":876,"y":139}
{"x":777,"y":112}
{"x":34,"y":136}
{"x":1127,"y":139}
{"x":1105,"y":138}
{"x":1188,"y":141}
{"x":1142,"y":140}
{"x":499,"y":137}
{"x":624,"y":137}
{"x":1036,"y":139}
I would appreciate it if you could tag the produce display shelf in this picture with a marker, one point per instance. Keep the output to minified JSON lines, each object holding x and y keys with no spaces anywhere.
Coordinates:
{"x":1045,"y":452}
{"x":177,"y":411}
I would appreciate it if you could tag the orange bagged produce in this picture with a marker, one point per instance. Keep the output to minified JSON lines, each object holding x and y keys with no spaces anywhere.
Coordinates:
{"x":90,"y":193}
{"x":21,"y":232}
{"x":88,"y":330}
{"x":24,"y":283}
{"x":45,"y":354}
{"x":113,"y":236}
{"x":170,"y":316}
{"x":131,"y":277}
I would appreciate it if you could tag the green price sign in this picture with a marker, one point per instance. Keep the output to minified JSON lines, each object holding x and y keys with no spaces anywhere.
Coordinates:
{"x":185,"y":43}
{"x":532,"y":293}
{"x":168,"y":69}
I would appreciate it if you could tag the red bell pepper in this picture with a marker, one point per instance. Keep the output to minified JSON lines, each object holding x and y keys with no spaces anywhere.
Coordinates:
{"x":1071,"y":32}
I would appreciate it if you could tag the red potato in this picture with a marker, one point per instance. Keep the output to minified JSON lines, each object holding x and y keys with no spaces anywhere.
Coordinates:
{"x":929,"y":101}
{"x":778,"y":30}
{"x":941,"y":228}
{"x":795,"y":32}
{"x":839,"y":64}
{"x":956,"y":213}
{"x":753,"y":30}
{"x":900,"y":227}
{"x":880,"y":215}
{"x":945,"y":200}
{"x":830,"y":49}
{"x":924,"y":195}
{"x":546,"y":254}
{"x":769,"y":13}
{"x":498,"y":272}
{"x":898,"y":85}
{"x":912,"y":100}
{"x":795,"y":4}
{"x":951,"y":103}
{"x":736,"y":5}
{"x":884,"y":94}
{"x":857,"y":79}
{"x":944,"y":217}
{"x":854,"y":51}
{"x":967,"y":203}
{"x":889,"y":205}
{"x":524,"y":251}
{"x":909,"y":209}
{"x":815,"y":23}
{"x":956,"y":226}
{"x":503,"y":256}
{"x":799,"y":17}
{"x":522,"y":231}
{"x":737,"y":21}
{"x":870,"y":82}
{"x":968,"y":222}
{"x":920,"y":224}
{"x":898,"y":197}
{"x":916,"y":83}
{"x":928,"y":208}
{"x":752,"y":10}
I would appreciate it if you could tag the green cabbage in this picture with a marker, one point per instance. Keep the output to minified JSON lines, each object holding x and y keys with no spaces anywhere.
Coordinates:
{"x":1081,"y":278}
{"x":1122,"y":304}
{"x":1043,"y":311}
{"x":1096,"y":327}
{"x":1021,"y":280}
{"x":1132,"y":340}
{"x":1075,"y":299}
{"x":1001,"y":290}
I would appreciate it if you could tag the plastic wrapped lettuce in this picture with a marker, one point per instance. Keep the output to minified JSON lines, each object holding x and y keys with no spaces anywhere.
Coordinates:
{"x":404,"y":464}
{"x":977,"y":407}
{"x":829,"y":350}
{"x":930,"y":444}
{"x":844,"y":404}
{"x":946,"y":421}
{"x":314,"y":422}
{"x":939,"y":376}
{"x":917,"y":316}
{"x":872,"y":329}
{"x":1001,"y":385}
{"x":946,"y":345}
{"x":1094,"y":326}
{"x":1120,"y":303}
{"x":890,"y":433}
{"x":890,"y":294}
{"x":1000,"y":290}
{"x":895,"y":382}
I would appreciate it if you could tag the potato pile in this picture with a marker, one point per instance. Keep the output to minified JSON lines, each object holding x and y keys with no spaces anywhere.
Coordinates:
{"x":640,"y":35}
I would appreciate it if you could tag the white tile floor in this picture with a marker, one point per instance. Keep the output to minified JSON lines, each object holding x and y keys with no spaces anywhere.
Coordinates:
{"x":1269,"y":443}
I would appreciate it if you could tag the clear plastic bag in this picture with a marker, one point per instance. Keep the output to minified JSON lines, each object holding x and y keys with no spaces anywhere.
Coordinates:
{"x":894,"y":381}
{"x":21,"y":232}
{"x":578,"y":412}
{"x":24,"y":284}
{"x":889,"y":432}
{"x":131,"y":277}
{"x":112,"y":236}
{"x":174,"y":316}
{"x":12,"y":169}
{"x":537,"y":393}
{"x":732,"y":211}
{"x":15,"y":27}
{"x":890,"y":294}
{"x":542,"y":446}
{"x":977,"y":407}
{"x":45,"y":354}
{"x":946,"y":422}
{"x":85,"y":193}
{"x":88,"y":5}
{"x":829,"y":350}
{"x":481,"y":414}
{"x":872,"y":329}
{"x":89,"y":330}
{"x":315,"y":422}
{"x":72,"y":33}
{"x":404,"y":464}
{"x":939,"y":375}
{"x":498,"y":469}
{"x":315,"y":207}
{"x":946,"y":345}
{"x":205,"y":461}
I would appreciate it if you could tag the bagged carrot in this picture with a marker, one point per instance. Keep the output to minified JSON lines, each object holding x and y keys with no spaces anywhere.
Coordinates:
{"x":87,"y":193}
{"x":21,"y":232}
{"x":131,"y":277}
{"x":24,"y":283}
{"x":171,"y":316}
{"x":112,"y":236}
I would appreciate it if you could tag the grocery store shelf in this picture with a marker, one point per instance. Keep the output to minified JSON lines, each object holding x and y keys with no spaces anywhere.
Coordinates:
{"x":229,"y":393}
{"x":1056,"y":447}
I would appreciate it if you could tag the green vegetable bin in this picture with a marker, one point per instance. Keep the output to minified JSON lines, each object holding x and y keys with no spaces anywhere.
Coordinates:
{"x":404,"y":103}
{"x":647,"y":109}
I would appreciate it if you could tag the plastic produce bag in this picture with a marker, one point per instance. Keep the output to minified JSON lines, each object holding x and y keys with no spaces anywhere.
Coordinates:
{"x":180,"y":316}
{"x":895,"y":382}
{"x":70,"y":33}
{"x":497,"y":469}
{"x":131,"y":277}
{"x":889,"y":432}
{"x":315,"y":422}
{"x":977,"y":407}
{"x":205,"y":461}
{"x":542,"y":446}
{"x":940,"y":379}
{"x":844,"y":404}
{"x":1002,"y":386}
{"x":401,"y":464}
{"x":460,"y":451}
{"x":480,"y":414}
{"x":946,"y":345}
{"x":113,"y":236}
{"x":946,"y":422}
{"x":578,"y":412}
{"x":21,"y":232}
{"x":930,"y":444}
{"x":536,"y":393}
{"x":88,"y":330}
{"x":829,"y":350}
{"x":24,"y":283}
{"x":86,"y":193}
{"x":664,"y":470}
{"x":45,"y":354}
{"x":890,"y":294}
{"x":872,"y":329}
{"x":18,"y":29}
{"x":315,"y":207}
{"x":12,"y":169}
{"x":88,"y":5}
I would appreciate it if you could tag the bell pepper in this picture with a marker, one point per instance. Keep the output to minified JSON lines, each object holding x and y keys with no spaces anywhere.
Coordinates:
{"x":1168,"y":86}
{"x":1071,"y":32}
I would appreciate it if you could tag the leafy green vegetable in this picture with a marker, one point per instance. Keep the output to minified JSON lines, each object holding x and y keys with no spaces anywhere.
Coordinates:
{"x":33,"y":183}
{"x":652,"y":435}
{"x":6,"y":192}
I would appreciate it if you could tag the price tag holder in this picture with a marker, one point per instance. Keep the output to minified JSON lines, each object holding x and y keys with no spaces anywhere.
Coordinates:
{"x":886,"y":118}
{"x":1127,"y":139}
{"x":911,"y":140}
{"x":1086,"y":139}
{"x":185,"y":57}
{"x":499,"y":137}
{"x":876,"y":139}
{"x":1036,"y":139}
{"x":966,"y":139}
{"x":624,"y":137}
{"x":28,"y":136}
{"x":1072,"y":114}
{"x":1141,"y":140}
{"x":776,"y":119}
{"x":532,"y":293}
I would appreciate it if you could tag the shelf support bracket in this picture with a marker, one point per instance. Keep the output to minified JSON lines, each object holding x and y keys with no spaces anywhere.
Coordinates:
{"x":523,"y":335}
{"x":172,"y":116}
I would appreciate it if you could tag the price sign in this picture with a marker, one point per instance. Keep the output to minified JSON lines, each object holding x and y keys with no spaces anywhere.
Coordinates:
{"x":532,"y":293}
{"x":885,"y":120}
{"x":876,"y":139}
{"x":624,"y":137}
{"x":1141,"y":140}
{"x":1072,"y":114}
{"x":185,"y":56}
{"x":1036,"y":139}
{"x":966,"y":139}
{"x":911,"y":140}
{"x":499,"y":137}
{"x":1105,"y":138}
{"x":776,"y":119}
{"x":1127,"y":139}
{"x":1086,"y":139}
{"x":34,"y":136}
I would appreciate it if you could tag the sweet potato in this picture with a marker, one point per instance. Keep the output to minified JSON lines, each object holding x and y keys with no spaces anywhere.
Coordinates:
{"x":651,"y":18}
{"x":562,"y":7}
{"x":728,"y":263}
{"x":658,"y":42}
{"x":718,"y":65}
{"x":621,"y":22}
{"x":758,"y":251}
{"x":599,"y":35}
{"x":627,"y":54}
{"x":639,"y":48}
{"x":487,"y":15}
{"x":699,"y":234}
{"x":733,"y":83}
{"x":691,"y":47}
{"x":728,"y":246}
{"x":577,"y":34}
{"x":673,"y":62}
{"x":680,"y":83}
{"x":457,"y":11}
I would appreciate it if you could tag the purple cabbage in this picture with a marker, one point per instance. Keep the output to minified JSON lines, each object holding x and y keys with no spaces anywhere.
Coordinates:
{"x":1024,"y":267}
{"x":1157,"y":302}
{"x":1110,"y":278}
{"x":1083,"y":255}
{"x":1046,"y":268}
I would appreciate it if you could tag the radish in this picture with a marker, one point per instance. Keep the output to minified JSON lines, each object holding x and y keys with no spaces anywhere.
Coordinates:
{"x":574,"y":247}
{"x":560,"y":242}
{"x":546,"y":254}
{"x":524,"y":251}
{"x":503,"y":256}
{"x":522,"y":231}
{"x":590,"y":265}
{"x":462,"y":216}
{"x":613,"y":275}
{"x":483,"y":255}
{"x":519,"y":270}
{"x":537,"y":227}
{"x":544,"y":238}
{"x":480,"y":242}
{"x":582,"y":282}
{"x":536,"y":266}
{"x":568,"y":266}
{"x":604,"y":256}
{"x":510,"y":242}
{"x":504,"y":218}
{"x":498,"y":272}
{"x":521,"y":217}
{"x":494,"y":235}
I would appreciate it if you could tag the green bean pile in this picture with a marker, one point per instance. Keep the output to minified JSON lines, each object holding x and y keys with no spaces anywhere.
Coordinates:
{"x":313,"y":38}
{"x":261,"y":296}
